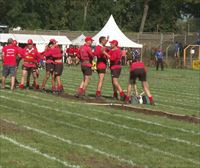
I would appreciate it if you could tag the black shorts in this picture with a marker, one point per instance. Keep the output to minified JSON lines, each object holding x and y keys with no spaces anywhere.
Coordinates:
{"x":99,"y":71}
{"x":86,"y":70}
{"x":138,"y":73}
{"x":50,"y":67}
{"x":9,"y":70}
{"x":29,"y":69}
{"x":58,"y":69}
{"x":115,"y":73}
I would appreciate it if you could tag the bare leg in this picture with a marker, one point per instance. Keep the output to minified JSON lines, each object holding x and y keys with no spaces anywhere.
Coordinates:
{"x":12,"y":82}
{"x":3,"y":82}
{"x":146,"y":88}
{"x":24,"y":75}
{"x":86,"y":82}
{"x":100,"y":82}
{"x":45,"y":79}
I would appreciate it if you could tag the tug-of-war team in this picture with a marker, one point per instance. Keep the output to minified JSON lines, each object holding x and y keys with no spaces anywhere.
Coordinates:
{"x":12,"y":54}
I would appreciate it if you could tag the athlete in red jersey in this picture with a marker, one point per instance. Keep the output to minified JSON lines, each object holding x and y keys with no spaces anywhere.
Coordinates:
{"x":102,"y":56}
{"x":70,"y":54}
{"x":115,"y":67}
{"x":49,"y":67}
{"x":138,"y":70}
{"x":10,"y":53}
{"x":58,"y":65}
{"x":31,"y":58}
{"x":86,"y":56}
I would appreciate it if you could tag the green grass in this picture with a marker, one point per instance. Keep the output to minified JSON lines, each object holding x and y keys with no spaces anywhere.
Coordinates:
{"x":76,"y":133}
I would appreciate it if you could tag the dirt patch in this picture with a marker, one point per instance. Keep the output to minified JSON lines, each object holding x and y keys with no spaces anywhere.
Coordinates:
{"x":117,"y":105}
{"x":7,"y":127}
{"x":96,"y":162}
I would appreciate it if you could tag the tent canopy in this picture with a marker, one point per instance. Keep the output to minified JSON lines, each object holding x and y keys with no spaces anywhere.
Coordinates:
{"x":37,"y":39}
{"x":80,"y":40}
{"x":112,"y":30}
{"x":62,"y":40}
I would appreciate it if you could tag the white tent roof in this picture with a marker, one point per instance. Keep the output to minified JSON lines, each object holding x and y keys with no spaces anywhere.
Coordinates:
{"x":80,"y":40}
{"x":4,"y":37}
{"x":23,"y":38}
{"x":61,"y":39}
{"x":37,"y":39}
{"x":112,"y":30}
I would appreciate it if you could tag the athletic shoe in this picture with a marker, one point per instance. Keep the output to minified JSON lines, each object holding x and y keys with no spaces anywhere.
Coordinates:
{"x":21,"y":86}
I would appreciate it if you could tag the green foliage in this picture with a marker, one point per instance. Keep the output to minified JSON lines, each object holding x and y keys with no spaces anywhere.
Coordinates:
{"x":69,"y":14}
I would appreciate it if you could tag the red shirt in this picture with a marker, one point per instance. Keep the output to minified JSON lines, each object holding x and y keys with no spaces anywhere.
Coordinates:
{"x":101,"y":58}
{"x":70,"y":51}
{"x":10,"y":53}
{"x":137,"y":65}
{"x":48,"y":55}
{"x":115,"y":58}
{"x":56,"y":54}
{"x":30,"y":57}
{"x":86,"y":55}
{"x":76,"y":50}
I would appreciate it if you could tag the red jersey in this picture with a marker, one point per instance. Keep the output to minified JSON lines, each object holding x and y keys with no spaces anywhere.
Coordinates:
{"x":56,"y":54}
{"x":30,"y":57}
{"x":101,"y":57}
{"x":76,"y":50}
{"x":137,"y":65}
{"x":86,"y":55}
{"x":70,"y":51}
{"x":115,"y":58}
{"x":10,"y":53}
{"x":48,"y":55}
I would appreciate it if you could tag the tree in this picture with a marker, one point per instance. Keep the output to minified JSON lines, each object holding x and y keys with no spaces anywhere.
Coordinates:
{"x":145,"y":12}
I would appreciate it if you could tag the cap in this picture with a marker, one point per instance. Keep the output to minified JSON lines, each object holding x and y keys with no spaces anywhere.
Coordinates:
{"x":88,"y":38}
{"x":14,"y":42}
{"x":53,"y":41}
{"x":115,"y":42}
{"x":30,"y":42}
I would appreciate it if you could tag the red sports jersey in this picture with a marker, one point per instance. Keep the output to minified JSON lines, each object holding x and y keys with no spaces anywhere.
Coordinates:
{"x":9,"y":55}
{"x":30,"y":57}
{"x":101,"y":58}
{"x":76,"y":50}
{"x":137,"y":65}
{"x":86,"y":55}
{"x":56,"y":54}
{"x":115,"y":58}
{"x":70,"y":51}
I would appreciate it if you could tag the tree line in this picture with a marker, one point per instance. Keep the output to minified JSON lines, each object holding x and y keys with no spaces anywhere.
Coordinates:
{"x":91,"y":15}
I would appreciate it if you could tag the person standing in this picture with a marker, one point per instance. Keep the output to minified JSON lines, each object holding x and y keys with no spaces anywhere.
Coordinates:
{"x":49,"y":67}
{"x":85,"y":55}
{"x":159,"y":59}
{"x":115,"y":67}
{"x":30,"y":58}
{"x":9,"y":56}
{"x":101,"y":52}
{"x":138,"y":70}
{"x":58,"y":65}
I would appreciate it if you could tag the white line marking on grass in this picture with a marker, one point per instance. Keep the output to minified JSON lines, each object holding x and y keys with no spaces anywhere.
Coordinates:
{"x":107,"y":122}
{"x":118,"y":115}
{"x":90,"y":147}
{"x":107,"y":135}
{"x":34,"y":150}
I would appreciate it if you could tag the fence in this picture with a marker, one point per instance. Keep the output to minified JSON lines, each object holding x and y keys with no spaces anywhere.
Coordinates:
{"x":151,"y":42}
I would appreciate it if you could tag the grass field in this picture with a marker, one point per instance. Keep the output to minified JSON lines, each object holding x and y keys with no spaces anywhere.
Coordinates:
{"x":46,"y":131}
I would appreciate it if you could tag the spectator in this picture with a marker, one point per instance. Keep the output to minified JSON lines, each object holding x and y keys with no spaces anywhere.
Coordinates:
{"x":159,"y":59}
{"x":124,"y":52}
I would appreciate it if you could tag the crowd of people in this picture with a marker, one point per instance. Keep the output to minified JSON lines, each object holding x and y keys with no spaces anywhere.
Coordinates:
{"x":53,"y":57}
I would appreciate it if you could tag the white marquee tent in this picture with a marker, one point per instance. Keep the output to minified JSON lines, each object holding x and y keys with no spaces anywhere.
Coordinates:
{"x":40,"y":40}
{"x":80,"y":40}
{"x":115,"y":33}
